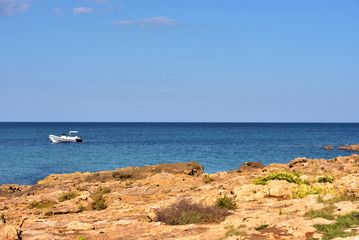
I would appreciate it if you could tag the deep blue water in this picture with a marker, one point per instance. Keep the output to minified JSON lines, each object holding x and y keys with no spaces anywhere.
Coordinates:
{"x":27,"y":155}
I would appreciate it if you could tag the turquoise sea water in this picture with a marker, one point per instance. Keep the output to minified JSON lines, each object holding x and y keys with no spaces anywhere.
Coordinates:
{"x":27,"y":155}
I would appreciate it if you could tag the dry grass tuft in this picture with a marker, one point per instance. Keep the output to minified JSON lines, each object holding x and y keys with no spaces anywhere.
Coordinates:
{"x":185,"y":212}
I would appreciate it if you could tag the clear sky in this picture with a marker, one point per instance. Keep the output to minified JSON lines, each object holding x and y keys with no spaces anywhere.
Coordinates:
{"x":179,"y":60}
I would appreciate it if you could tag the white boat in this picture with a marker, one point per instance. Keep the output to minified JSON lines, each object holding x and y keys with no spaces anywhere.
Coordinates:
{"x":65,"y":139}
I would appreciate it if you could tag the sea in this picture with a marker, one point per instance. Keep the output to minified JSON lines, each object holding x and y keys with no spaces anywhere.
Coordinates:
{"x":27,"y":155}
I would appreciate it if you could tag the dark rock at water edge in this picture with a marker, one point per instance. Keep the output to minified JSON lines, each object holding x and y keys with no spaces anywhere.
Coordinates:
{"x":128,"y":173}
{"x":190,"y":168}
{"x":250,"y":166}
{"x":297,"y":162}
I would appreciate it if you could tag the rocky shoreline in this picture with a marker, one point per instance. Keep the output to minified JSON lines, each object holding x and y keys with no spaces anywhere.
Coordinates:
{"x":272,"y":202}
{"x":346,"y":147}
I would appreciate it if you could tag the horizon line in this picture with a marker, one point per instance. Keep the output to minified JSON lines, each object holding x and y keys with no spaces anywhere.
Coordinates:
{"x":168,"y":122}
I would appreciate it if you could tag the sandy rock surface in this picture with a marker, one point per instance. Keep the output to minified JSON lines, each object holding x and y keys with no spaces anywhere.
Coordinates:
{"x":133,"y":195}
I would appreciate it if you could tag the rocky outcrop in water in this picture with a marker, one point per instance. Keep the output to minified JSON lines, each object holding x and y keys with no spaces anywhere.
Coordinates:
{"x":350,"y":147}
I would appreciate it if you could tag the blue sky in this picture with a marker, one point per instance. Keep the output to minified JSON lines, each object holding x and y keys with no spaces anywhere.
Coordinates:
{"x":179,"y":60}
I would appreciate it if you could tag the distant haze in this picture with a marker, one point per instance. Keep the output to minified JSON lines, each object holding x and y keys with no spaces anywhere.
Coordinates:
{"x":179,"y":60}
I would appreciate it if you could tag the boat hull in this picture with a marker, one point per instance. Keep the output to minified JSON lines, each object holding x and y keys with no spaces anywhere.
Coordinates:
{"x":64,"y":139}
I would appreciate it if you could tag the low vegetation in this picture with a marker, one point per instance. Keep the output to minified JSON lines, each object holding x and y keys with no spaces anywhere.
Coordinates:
{"x":67,"y":196}
{"x":235,"y":231}
{"x":304,"y":190}
{"x":325,"y":179}
{"x":326,"y":212}
{"x":98,"y":202}
{"x":338,"y":229}
{"x":129,"y":183}
{"x":320,"y":199}
{"x":103,"y":190}
{"x":338,"y":198}
{"x":289,"y":177}
{"x":207,"y":178}
{"x":304,"y":187}
{"x":81,"y":208}
{"x":185,"y":212}
{"x":41,"y":204}
{"x":226,"y":202}
{"x":343,"y":227}
{"x":81,"y":188}
{"x":261,"y":227}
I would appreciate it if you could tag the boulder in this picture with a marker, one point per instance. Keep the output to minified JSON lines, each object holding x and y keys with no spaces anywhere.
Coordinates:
{"x":251,"y":192}
{"x":280,"y":188}
{"x":66,"y":207}
{"x":297,"y":162}
{"x":9,"y":232}
{"x":250,"y":166}
{"x":273,"y":167}
{"x":328,"y":147}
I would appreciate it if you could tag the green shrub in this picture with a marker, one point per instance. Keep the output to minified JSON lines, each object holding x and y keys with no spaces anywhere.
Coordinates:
{"x":306,"y":182}
{"x":341,"y":198}
{"x":129,"y":183}
{"x":81,"y":208}
{"x":81,"y":188}
{"x":326,"y":212}
{"x":235,"y":231}
{"x":41,"y":204}
{"x":103,"y":190}
{"x":261,"y":227}
{"x":304,"y":190}
{"x":207,"y":178}
{"x":325,"y":179}
{"x":226,"y":202}
{"x":193,"y":187}
{"x":320,"y":199}
{"x":185,"y":212}
{"x":67,"y":196}
{"x":98,"y":202}
{"x":289,"y":177}
{"x":337,"y":229}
